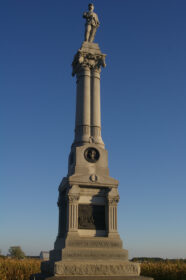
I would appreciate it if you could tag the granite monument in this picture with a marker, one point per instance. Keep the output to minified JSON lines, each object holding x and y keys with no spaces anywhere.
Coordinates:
{"x":88,"y":245}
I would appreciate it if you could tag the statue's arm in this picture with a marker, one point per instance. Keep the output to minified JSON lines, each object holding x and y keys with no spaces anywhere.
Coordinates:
{"x":98,"y":22}
{"x":85,"y":15}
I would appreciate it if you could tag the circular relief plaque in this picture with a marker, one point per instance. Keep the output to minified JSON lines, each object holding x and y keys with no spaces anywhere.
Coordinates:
{"x":91,"y":155}
{"x":93,"y":178}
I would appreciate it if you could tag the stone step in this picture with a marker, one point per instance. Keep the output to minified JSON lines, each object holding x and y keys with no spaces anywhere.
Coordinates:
{"x":89,"y":254}
{"x":106,"y":277}
{"x":88,"y":242}
{"x":91,"y":268}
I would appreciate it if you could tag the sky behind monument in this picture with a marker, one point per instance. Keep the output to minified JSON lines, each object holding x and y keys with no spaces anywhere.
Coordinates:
{"x":143,"y":96}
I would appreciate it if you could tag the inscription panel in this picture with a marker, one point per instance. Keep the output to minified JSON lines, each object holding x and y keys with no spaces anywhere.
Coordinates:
{"x":91,"y":216}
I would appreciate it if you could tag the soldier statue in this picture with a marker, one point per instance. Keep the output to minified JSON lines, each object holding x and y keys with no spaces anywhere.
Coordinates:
{"x":92,"y":23}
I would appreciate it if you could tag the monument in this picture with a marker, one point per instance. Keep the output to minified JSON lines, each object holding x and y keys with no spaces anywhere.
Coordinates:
{"x":88,"y":245}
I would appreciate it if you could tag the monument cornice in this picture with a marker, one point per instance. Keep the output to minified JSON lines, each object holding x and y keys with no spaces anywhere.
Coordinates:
{"x":103,"y":182}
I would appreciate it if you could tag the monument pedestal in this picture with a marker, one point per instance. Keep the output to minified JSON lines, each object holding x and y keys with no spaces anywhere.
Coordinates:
{"x":88,"y":245}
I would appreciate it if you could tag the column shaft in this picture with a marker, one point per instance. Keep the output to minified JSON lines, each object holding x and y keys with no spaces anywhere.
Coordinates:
{"x":82,"y":126}
{"x":73,"y":217}
{"x":95,"y":99}
{"x":95,"y":107}
{"x":112,"y":219}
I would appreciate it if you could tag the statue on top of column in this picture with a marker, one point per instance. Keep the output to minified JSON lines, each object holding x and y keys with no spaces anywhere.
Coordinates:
{"x":92,"y":23}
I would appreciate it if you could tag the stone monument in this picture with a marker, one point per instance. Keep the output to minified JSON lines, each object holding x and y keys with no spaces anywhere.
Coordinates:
{"x":88,"y":245}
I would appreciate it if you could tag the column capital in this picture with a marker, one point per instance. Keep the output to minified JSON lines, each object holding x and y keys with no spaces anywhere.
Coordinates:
{"x":112,"y":201}
{"x":73,"y":198}
{"x":85,"y":59}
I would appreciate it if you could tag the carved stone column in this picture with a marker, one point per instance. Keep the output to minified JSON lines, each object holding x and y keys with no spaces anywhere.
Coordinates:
{"x":87,"y":66}
{"x":73,"y":197}
{"x":112,"y":201}
{"x":82,"y":126}
{"x":73,"y":213}
{"x":112,"y":215}
{"x":95,"y":106}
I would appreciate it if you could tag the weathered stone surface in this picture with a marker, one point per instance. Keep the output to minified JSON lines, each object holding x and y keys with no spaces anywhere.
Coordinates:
{"x":91,"y":242}
{"x":99,"y":267}
{"x":44,"y":277}
{"x":80,"y":170}
{"x":89,"y":254}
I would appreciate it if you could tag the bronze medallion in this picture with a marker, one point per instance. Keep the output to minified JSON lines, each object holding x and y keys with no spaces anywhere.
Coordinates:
{"x":91,"y":155}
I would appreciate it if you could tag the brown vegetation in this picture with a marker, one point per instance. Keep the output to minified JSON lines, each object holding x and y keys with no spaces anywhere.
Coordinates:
{"x":14,"y":269}
{"x":165,"y":270}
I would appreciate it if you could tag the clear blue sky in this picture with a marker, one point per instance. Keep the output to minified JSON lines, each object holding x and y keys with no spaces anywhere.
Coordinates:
{"x":143,"y":95}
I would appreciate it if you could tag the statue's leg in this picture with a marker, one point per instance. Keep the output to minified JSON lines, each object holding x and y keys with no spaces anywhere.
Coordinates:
{"x":92,"y":34}
{"x":87,"y":32}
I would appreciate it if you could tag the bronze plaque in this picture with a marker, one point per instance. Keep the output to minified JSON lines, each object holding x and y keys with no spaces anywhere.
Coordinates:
{"x":91,"y":155}
{"x":91,"y":216}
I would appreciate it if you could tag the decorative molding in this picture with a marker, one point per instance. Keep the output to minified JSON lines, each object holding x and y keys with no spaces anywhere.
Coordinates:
{"x":96,"y":243}
{"x":112,"y":268}
{"x":113,"y":200}
{"x":84,"y":59}
{"x":73,"y":198}
{"x":93,"y":178}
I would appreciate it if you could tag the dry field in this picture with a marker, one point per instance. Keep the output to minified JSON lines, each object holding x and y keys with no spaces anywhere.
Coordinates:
{"x":12,"y":269}
{"x":164,"y":270}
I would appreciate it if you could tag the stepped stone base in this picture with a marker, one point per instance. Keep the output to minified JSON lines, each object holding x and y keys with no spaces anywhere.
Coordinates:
{"x":89,"y":242}
{"x":88,"y":268}
{"x":42,"y":277}
{"x":88,"y":250}
{"x":102,"y":259}
{"x":67,"y":270}
{"x":89,"y":254}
